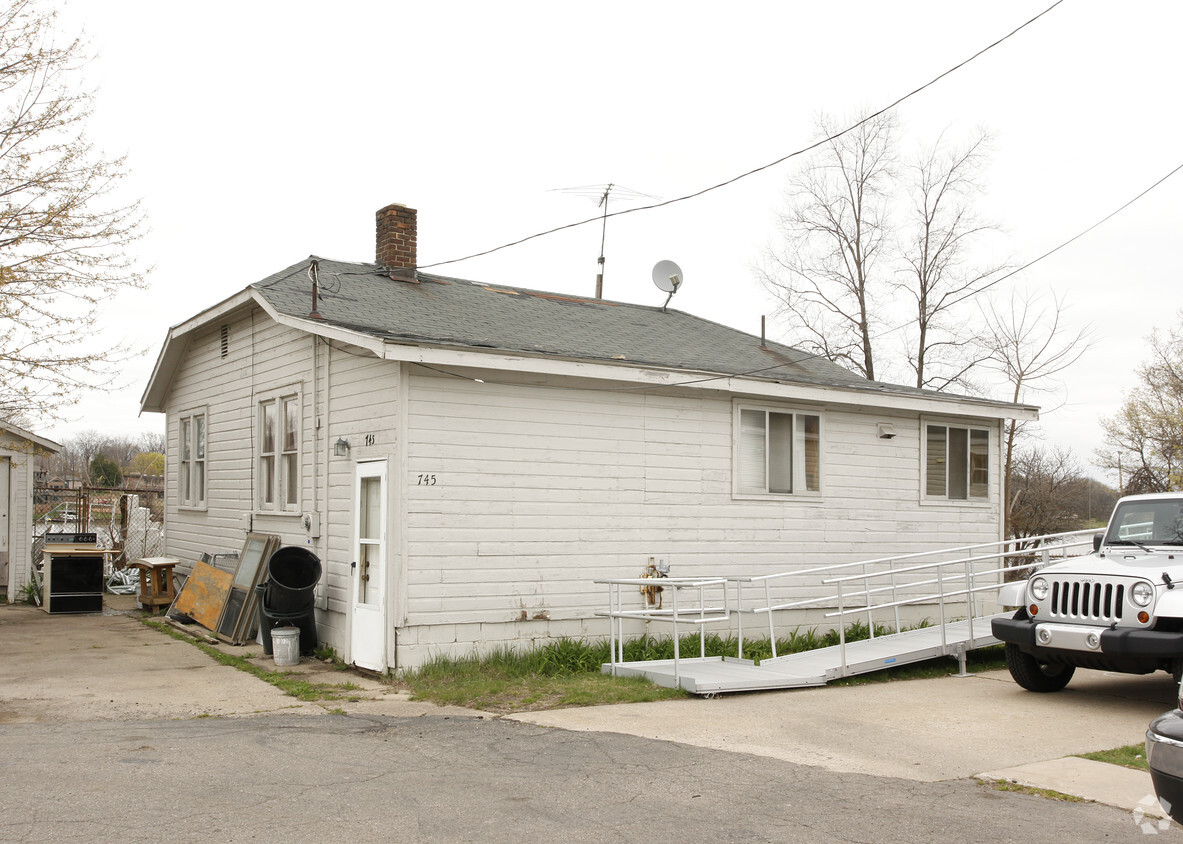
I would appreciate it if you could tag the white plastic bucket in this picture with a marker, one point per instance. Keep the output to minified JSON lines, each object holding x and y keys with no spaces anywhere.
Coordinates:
{"x":285,"y":644}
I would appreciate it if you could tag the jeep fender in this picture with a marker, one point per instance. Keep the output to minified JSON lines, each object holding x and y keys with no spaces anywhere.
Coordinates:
{"x":1015,"y":595}
{"x":1170,"y":604}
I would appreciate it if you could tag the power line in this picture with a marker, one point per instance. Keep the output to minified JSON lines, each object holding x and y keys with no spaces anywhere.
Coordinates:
{"x":807,"y":356}
{"x":760,"y":169}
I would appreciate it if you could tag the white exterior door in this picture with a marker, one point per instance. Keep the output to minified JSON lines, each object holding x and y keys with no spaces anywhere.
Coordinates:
{"x":367,"y":627}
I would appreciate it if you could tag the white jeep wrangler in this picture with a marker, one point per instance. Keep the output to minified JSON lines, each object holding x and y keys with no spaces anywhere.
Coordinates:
{"x":1117,"y":609}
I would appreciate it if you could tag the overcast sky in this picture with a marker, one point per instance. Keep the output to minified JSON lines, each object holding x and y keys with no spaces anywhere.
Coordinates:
{"x":260,"y":133}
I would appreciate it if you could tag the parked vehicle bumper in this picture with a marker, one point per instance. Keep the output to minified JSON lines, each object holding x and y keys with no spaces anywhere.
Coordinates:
{"x":1089,"y":646}
{"x":1164,"y":754}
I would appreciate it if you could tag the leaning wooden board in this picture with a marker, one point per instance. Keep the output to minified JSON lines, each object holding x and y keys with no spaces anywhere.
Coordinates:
{"x":204,"y":594}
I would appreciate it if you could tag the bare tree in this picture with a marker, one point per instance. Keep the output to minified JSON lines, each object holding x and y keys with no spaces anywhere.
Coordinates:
{"x":1144,"y":441}
{"x":867,"y":241}
{"x":1028,"y":346}
{"x":152,"y":442}
{"x":826,"y":273}
{"x":63,"y":236}
{"x":939,"y":278}
{"x":1041,"y":493}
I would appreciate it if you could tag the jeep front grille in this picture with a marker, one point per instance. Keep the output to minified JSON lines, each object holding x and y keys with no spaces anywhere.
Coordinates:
{"x":1087,"y":600}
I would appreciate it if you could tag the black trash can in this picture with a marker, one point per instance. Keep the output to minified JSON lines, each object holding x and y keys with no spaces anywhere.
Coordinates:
{"x":305,"y":619}
{"x":292,"y":575}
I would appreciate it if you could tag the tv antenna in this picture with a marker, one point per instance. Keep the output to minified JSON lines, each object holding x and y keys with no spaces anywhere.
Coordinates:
{"x":601,"y":193}
{"x":668,"y":277}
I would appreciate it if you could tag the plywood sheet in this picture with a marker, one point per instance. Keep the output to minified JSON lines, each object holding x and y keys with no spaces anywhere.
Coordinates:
{"x":204,"y":594}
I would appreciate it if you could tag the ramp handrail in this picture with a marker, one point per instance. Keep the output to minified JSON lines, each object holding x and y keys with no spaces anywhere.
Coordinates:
{"x":880,"y":578}
{"x":701,"y":615}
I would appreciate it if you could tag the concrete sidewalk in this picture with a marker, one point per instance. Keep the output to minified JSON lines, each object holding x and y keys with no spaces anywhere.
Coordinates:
{"x":113,"y":668}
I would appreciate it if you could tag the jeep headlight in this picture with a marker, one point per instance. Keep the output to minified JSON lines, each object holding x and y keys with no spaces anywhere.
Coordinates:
{"x":1142,"y":593}
{"x":1038,"y":588}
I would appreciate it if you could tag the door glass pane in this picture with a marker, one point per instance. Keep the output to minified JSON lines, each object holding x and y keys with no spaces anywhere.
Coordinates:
{"x":367,"y":565}
{"x":370,"y":517}
{"x":979,"y":464}
{"x":780,"y":452}
{"x":752,"y":467}
{"x":934,"y":473}
{"x":369,"y":531}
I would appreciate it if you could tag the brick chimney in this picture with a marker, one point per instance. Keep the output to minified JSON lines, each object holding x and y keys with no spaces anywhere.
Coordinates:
{"x":396,"y":235}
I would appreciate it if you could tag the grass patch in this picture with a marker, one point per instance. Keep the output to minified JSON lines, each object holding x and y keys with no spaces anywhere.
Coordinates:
{"x":560,"y":674}
{"x":289,"y":682}
{"x":1046,"y":793}
{"x":1130,"y":756}
{"x":566,"y":672}
{"x":29,"y":593}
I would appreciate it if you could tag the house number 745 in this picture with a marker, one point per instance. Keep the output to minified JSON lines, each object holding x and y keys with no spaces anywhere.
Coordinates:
{"x":426,"y":480}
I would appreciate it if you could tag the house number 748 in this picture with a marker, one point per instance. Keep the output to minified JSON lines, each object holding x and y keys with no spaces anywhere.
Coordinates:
{"x":426,"y":480}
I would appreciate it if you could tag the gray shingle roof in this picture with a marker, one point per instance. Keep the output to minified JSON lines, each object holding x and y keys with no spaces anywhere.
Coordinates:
{"x":455,"y":313}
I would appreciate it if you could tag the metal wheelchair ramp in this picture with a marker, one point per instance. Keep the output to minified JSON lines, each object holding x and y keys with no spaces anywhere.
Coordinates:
{"x":714,"y":675}
{"x":953,"y":587}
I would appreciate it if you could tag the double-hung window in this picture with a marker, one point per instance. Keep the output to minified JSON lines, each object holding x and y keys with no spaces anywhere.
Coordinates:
{"x":191,"y":481}
{"x":956,"y":463}
{"x":279,"y":453}
{"x":777,"y":452}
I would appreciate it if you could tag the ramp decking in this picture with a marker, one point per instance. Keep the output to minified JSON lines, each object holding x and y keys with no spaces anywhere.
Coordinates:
{"x":714,"y":675}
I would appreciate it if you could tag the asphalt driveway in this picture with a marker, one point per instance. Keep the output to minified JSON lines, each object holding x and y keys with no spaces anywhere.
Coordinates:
{"x":59,"y":669}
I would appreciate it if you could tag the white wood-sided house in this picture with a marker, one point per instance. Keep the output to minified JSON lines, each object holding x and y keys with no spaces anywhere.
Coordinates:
{"x":467,"y":458}
{"x":19,"y":450}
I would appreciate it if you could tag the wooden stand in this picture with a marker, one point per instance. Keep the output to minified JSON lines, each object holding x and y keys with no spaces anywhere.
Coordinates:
{"x":156,"y":582}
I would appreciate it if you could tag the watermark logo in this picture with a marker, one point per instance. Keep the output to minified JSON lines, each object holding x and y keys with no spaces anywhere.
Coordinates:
{"x":1146,"y":815}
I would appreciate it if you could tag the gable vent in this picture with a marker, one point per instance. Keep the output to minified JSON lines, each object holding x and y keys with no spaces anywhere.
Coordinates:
{"x":225,"y":340}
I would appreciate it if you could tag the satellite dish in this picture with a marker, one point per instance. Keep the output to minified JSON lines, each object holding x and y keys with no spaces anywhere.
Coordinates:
{"x":667,"y":276}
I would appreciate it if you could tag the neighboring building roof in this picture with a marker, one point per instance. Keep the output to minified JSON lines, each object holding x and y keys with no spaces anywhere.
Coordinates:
{"x":21,"y":433}
{"x":452,"y":313}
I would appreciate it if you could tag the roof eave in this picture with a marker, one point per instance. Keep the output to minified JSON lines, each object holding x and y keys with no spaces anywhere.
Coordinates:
{"x":175,"y":343}
{"x":35,"y":439}
{"x":935,"y":404}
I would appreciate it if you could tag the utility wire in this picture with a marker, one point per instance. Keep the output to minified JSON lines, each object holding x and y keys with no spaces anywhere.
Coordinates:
{"x":807,"y":356}
{"x":1070,"y":240}
{"x":760,"y":169}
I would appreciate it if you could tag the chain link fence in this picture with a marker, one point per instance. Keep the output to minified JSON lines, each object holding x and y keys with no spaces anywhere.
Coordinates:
{"x":130,"y":521}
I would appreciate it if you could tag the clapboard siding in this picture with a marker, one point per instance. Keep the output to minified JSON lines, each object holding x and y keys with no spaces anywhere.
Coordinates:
{"x":362,"y":399}
{"x":349,"y":392}
{"x":541,"y":490}
{"x":262,"y":357}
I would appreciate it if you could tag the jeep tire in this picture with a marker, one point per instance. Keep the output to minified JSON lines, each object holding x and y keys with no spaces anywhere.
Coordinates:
{"x":1036,"y":676}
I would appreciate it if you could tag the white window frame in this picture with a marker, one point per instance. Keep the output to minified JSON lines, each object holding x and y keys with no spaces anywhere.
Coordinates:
{"x":798,"y":456}
{"x":279,"y":467}
{"x":193,"y":462}
{"x":969,"y":429}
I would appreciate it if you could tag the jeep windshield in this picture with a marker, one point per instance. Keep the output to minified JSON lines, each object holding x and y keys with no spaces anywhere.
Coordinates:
{"x":1144,"y":523}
